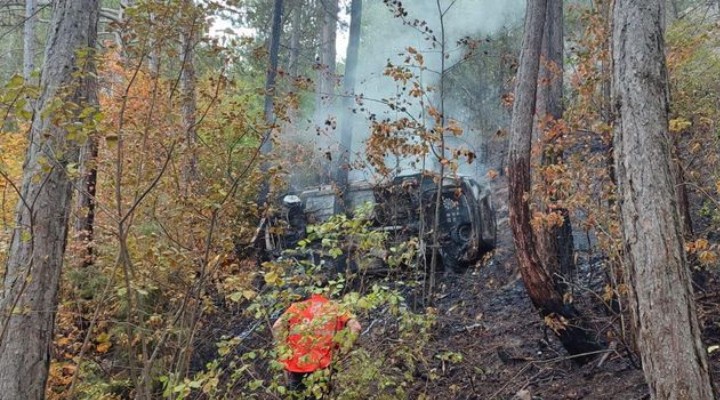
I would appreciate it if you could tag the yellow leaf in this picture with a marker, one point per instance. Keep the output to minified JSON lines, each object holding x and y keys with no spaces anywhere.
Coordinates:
{"x":702,"y":244}
{"x":272,"y":278}
{"x":556,"y":322}
{"x":210,"y":385}
{"x":707,"y":257}
{"x":678,"y":125}
{"x":608,"y":293}
{"x":103,"y":347}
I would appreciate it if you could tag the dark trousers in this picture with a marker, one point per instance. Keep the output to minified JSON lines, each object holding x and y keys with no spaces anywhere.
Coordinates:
{"x":296,"y":380}
{"x":296,"y":384}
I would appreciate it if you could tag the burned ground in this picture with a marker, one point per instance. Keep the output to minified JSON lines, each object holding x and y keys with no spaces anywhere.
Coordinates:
{"x":507,"y":351}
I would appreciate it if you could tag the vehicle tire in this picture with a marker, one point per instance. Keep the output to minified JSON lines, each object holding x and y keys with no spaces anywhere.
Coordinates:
{"x":488,"y":225}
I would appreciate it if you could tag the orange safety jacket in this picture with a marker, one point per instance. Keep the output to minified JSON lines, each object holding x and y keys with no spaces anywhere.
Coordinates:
{"x":312,"y":325}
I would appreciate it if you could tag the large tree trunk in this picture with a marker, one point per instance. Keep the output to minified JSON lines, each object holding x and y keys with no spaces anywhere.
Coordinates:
{"x":348,"y":101}
{"x":28,"y":301}
{"x":539,"y":282}
{"x":555,"y":244}
{"x":29,"y":39}
{"x":661,"y":297}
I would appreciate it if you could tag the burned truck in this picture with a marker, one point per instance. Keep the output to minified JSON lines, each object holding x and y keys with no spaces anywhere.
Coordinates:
{"x":405,"y":207}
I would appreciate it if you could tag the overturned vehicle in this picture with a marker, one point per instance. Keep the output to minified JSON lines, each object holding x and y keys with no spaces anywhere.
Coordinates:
{"x":406,"y":207}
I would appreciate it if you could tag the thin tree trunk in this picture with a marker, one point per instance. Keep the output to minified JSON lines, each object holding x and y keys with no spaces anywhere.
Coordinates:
{"x":188,"y":83}
{"x":661,"y":297}
{"x":29,"y":39}
{"x":605,"y":86}
{"x":273,"y":64}
{"x":539,"y":282}
{"x":348,"y":101}
{"x":266,"y":146}
{"x":326,"y":71}
{"x":85,"y":207}
{"x":682,"y":199}
{"x":555,"y":244}
{"x":155,"y":54}
{"x":294,"y":59}
{"x":28,"y":301}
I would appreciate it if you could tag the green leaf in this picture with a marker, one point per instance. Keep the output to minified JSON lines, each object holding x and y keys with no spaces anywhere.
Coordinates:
{"x":235,"y":297}
{"x":335,"y":252}
{"x":15,"y":82}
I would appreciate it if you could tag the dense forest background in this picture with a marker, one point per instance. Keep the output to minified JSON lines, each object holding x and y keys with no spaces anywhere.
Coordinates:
{"x":142,"y":142}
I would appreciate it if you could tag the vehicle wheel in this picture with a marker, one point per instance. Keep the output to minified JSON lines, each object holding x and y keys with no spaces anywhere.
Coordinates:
{"x":488,"y":225}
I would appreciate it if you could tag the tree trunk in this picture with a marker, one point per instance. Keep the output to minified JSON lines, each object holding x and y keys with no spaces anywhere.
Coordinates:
{"x":555,"y":244}
{"x":326,"y":71}
{"x":272,"y":68}
{"x":675,"y":9}
{"x":348,"y":101}
{"x":188,"y":83}
{"x":28,"y":301}
{"x":606,"y":87}
{"x":682,"y":199}
{"x":29,"y":39}
{"x":561,"y":317}
{"x":155,"y":54}
{"x":266,"y":146}
{"x":661,"y":297}
{"x":294,"y":59}
{"x":85,"y":207}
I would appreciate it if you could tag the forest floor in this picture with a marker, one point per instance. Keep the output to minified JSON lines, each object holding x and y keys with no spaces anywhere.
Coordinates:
{"x":484,"y":314}
{"x":509,"y":354}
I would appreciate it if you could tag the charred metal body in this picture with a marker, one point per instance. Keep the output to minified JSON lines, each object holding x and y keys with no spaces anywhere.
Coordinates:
{"x":467,"y":227}
{"x":404,"y":208}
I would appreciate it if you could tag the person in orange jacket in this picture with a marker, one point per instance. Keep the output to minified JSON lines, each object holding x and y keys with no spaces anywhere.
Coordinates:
{"x":309,"y":332}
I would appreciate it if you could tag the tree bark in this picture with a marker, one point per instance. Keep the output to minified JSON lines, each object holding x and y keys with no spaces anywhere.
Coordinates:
{"x":28,"y":301}
{"x":29,"y":39}
{"x":539,"y":282}
{"x":661,"y":297}
{"x":555,"y":245}
{"x":348,"y":101}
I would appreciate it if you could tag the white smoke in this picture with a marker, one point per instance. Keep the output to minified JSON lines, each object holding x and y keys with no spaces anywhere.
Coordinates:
{"x":385,"y":38}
